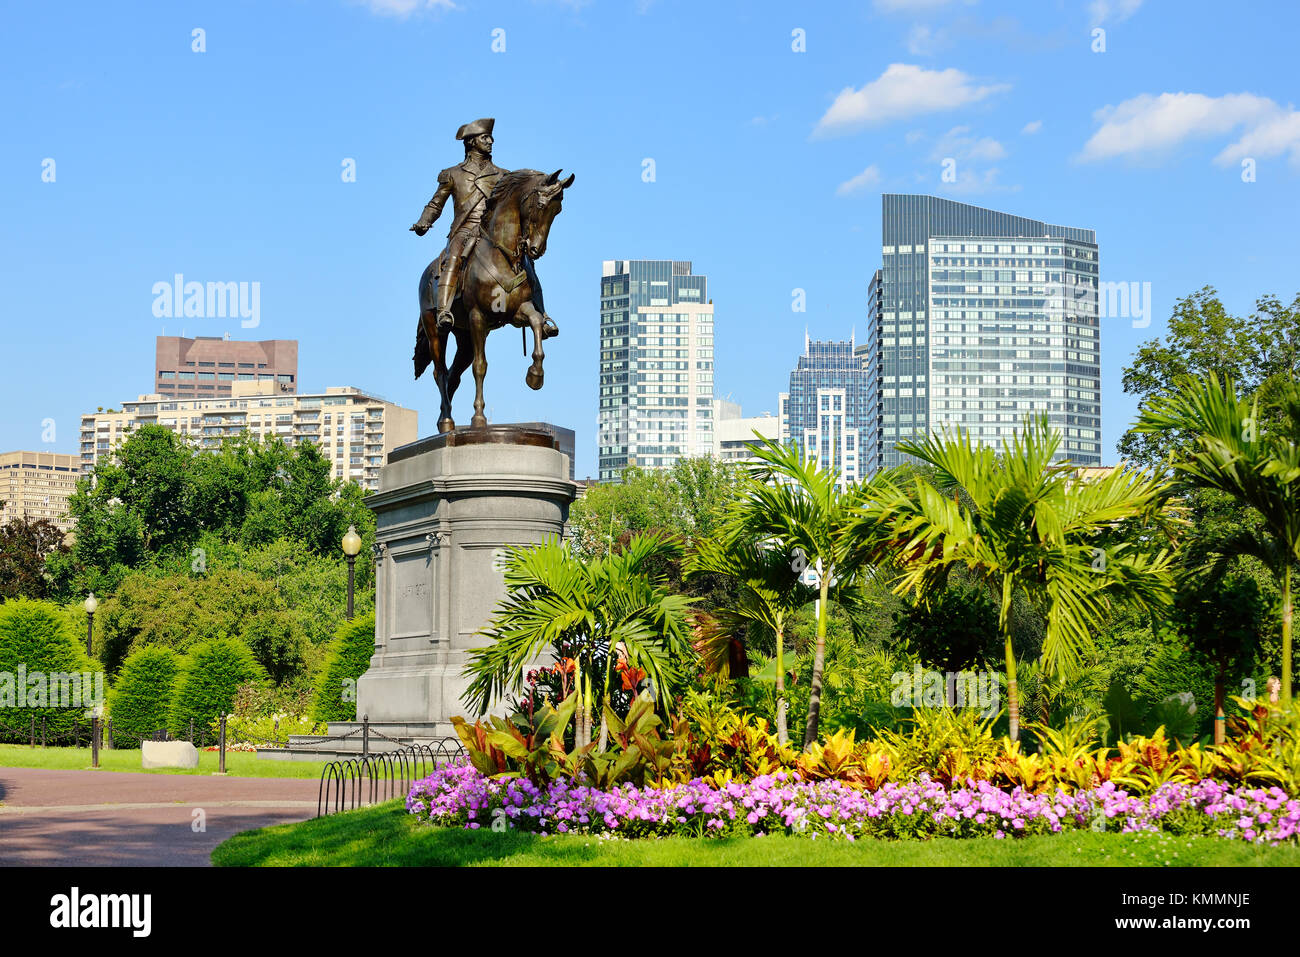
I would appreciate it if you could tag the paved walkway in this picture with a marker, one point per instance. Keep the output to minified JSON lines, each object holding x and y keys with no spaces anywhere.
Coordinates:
{"x":122,"y":819}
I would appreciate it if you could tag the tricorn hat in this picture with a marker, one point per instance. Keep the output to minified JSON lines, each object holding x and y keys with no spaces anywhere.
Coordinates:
{"x":474,"y":129}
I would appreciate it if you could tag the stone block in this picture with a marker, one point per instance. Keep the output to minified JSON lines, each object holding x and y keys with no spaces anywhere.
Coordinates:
{"x":169,"y":754}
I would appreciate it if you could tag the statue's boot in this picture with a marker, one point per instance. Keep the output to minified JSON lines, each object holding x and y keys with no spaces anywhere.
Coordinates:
{"x":447,"y":294}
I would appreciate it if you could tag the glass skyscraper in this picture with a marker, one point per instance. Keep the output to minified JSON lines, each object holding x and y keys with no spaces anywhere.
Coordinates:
{"x":656,"y":365}
{"x":978,"y":318}
{"x":826,"y":413}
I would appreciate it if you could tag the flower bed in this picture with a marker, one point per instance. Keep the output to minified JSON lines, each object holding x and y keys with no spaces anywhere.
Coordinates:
{"x":459,"y":796}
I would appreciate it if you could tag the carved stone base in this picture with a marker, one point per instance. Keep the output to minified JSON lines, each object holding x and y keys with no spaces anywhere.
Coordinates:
{"x":446,"y":508}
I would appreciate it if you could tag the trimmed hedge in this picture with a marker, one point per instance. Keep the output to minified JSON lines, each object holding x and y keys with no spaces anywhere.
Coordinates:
{"x":349,"y":657}
{"x":209,"y":678}
{"x":58,"y":679}
{"x":142,"y":696}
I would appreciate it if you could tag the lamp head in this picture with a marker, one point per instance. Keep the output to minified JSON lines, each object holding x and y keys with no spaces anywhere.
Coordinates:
{"x":351,"y":542}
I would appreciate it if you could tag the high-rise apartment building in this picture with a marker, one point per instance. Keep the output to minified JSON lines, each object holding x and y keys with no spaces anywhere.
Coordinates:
{"x":354,"y":430}
{"x":827,"y":413}
{"x":978,"y":318}
{"x":656,"y":365}
{"x":36,"y":485}
{"x":207,"y":367}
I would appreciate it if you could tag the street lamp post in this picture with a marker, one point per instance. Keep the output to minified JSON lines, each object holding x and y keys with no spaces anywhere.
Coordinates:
{"x":91,"y":605}
{"x":351,"y":546}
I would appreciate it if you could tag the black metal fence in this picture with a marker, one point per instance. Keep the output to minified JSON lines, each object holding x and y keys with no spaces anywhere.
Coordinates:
{"x":350,"y":783}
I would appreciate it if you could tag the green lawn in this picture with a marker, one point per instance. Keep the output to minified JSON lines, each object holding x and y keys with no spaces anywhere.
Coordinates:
{"x":387,"y":835}
{"x":238,"y":763}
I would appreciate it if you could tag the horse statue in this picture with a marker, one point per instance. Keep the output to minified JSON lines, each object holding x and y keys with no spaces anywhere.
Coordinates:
{"x":498,"y":287}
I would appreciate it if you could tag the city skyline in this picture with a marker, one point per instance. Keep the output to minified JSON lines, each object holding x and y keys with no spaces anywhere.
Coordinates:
{"x":1171,"y":143}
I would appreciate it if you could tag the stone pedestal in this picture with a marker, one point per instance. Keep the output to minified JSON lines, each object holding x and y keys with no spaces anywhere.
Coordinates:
{"x":445,"y":508}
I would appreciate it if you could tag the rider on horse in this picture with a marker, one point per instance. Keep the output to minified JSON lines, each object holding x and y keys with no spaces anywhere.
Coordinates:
{"x":469,"y":185}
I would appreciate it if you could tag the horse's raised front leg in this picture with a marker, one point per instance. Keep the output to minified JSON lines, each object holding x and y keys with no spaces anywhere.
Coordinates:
{"x":536,"y":320}
{"x":478,"y":331}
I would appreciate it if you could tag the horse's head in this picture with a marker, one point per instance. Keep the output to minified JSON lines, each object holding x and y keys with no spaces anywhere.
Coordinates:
{"x":538,"y":210}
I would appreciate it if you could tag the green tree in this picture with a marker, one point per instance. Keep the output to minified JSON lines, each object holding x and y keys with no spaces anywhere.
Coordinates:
{"x":799,"y":507}
{"x":151,"y":475}
{"x":36,"y":644}
{"x":768,"y":592}
{"x":209,"y":679}
{"x":349,"y":658}
{"x":1220,"y":617}
{"x":953,"y":629}
{"x":277,"y":641}
{"x":142,"y":695}
{"x":1234,"y":452}
{"x":618,"y":604}
{"x":1027,"y":524}
{"x":687,"y":499}
{"x":1258,"y":352}
{"x":176,"y":611}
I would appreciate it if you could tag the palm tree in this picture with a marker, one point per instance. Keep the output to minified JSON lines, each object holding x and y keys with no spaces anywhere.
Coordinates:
{"x":1028,"y":525}
{"x":769,"y":591}
{"x":1234,"y":452}
{"x":619,"y":603}
{"x":795,"y":505}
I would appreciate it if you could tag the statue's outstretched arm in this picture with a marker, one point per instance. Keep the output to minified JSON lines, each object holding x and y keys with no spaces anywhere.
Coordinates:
{"x":433,"y":209}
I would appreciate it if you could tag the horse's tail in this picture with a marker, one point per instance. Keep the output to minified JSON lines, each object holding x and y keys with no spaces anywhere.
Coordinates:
{"x":428,"y":295}
{"x":422,"y":355}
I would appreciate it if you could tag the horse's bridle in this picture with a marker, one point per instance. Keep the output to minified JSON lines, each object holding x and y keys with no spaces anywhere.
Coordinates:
{"x":515,"y":258}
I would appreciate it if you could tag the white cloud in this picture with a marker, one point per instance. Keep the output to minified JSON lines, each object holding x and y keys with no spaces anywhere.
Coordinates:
{"x":1149,"y":124}
{"x":902,"y":91}
{"x":404,"y":8}
{"x":1032,"y":127}
{"x":866,"y":179}
{"x":1278,"y":134}
{"x":958,"y":144}
{"x":921,"y":40}
{"x":1117,"y":10}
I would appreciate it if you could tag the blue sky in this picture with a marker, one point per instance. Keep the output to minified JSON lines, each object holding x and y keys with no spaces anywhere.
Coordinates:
{"x":225,"y":165}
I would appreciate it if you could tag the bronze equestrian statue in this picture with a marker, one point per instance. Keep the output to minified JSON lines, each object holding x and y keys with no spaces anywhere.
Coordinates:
{"x":484,"y":278}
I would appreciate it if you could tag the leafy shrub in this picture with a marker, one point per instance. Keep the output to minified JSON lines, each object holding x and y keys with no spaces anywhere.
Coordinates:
{"x":36,"y":636}
{"x":279,"y":644}
{"x":349,"y":657}
{"x":142,"y":696}
{"x":955,"y":630}
{"x":265,"y":731}
{"x":209,"y":679}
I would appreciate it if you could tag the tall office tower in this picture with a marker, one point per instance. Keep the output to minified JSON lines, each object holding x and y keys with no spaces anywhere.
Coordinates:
{"x":981,"y":318}
{"x":207,"y":367}
{"x":868,"y":353}
{"x":656,"y":365}
{"x":827,"y":413}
